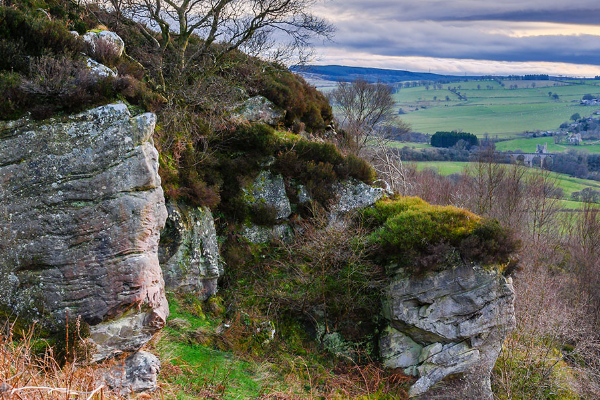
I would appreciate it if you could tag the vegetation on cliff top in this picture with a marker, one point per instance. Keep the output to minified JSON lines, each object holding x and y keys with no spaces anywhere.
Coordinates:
{"x":424,"y":237}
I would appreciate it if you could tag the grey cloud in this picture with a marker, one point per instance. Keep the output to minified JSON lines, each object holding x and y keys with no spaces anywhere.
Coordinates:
{"x":580,"y":11}
{"x":453,"y":37}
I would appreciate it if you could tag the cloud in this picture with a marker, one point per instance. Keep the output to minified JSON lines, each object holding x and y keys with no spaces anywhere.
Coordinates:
{"x":453,"y":66}
{"x":512,"y":31}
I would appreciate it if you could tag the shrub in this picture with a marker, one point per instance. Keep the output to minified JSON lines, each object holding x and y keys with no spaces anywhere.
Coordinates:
{"x":300,"y":100}
{"x":424,"y":237}
{"x":319,"y":178}
{"x":318,"y":152}
{"x":36,"y":34}
{"x":357,"y":168}
{"x":263,"y":214}
{"x":259,"y":138}
{"x":104,"y":52}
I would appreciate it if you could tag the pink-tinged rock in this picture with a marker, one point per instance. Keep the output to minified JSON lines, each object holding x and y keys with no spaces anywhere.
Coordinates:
{"x":81,"y":209}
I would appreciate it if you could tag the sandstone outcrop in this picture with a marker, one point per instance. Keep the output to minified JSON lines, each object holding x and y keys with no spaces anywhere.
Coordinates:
{"x":81,"y":209}
{"x":446,"y":324}
{"x":189,"y":251}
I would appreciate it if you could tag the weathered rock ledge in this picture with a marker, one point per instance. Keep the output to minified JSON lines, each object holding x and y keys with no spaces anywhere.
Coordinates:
{"x":448,"y":324}
{"x":81,"y":209}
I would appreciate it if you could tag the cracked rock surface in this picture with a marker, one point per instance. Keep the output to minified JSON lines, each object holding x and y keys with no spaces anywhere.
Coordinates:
{"x":81,"y":209}
{"x":448,"y":323}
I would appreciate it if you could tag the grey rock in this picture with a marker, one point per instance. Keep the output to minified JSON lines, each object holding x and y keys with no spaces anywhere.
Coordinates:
{"x":138,"y":373}
{"x":99,"y":70}
{"x":258,"y":109}
{"x":460,"y":316}
{"x":81,"y":209}
{"x":263,"y":234}
{"x":303,"y":195}
{"x":92,"y":38}
{"x":354,"y":195}
{"x":189,"y":251}
{"x":269,"y":189}
{"x":399,"y":350}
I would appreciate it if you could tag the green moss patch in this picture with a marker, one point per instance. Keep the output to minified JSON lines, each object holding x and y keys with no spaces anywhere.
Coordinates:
{"x":422,"y":237}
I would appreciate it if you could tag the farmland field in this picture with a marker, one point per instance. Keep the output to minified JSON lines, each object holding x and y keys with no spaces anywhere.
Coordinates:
{"x":493,"y":109}
{"x":529,"y":145}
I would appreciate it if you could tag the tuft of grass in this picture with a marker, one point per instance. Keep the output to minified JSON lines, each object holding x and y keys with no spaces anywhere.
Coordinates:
{"x":27,"y":374}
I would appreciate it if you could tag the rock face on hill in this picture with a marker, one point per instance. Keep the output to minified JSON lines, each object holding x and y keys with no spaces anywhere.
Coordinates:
{"x":189,"y":251}
{"x":81,"y":209}
{"x":448,"y":324}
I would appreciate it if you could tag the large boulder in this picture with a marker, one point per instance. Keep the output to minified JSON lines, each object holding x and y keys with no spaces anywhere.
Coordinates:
{"x":93,"y":38}
{"x":268,"y":190}
{"x":189,"y":251}
{"x":447,"y":324}
{"x":354,"y":195}
{"x":137,"y":373}
{"x":258,"y":109}
{"x":81,"y":209}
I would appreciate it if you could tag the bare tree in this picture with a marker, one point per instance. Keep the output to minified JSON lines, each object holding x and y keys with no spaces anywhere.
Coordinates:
{"x":235,"y":24}
{"x":366,"y":111}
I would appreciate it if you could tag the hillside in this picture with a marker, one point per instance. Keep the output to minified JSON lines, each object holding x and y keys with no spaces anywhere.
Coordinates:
{"x":182,"y":220}
{"x":347,"y":74}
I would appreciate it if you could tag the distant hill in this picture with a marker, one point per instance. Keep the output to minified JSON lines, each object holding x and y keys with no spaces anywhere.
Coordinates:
{"x":347,"y":74}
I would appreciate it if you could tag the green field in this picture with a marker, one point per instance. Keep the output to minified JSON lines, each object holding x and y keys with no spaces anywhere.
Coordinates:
{"x":529,"y":145}
{"x":498,"y":111}
{"x":567,"y":183}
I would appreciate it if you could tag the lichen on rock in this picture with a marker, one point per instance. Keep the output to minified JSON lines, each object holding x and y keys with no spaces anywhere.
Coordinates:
{"x":92,"y":38}
{"x":81,"y":209}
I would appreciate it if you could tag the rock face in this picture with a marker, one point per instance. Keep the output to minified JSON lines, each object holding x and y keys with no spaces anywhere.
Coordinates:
{"x":81,"y":209}
{"x":446,"y":324}
{"x":259,"y":109}
{"x":189,"y":251}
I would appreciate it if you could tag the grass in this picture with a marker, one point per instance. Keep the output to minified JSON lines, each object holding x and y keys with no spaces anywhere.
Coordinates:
{"x":443,"y":167}
{"x":500,"y":111}
{"x":412,"y":145}
{"x":208,"y":354}
{"x":194,"y":367}
{"x":497,"y":120}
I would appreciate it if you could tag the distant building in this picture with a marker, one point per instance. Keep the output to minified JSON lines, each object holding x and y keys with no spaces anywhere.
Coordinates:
{"x":574,"y":138}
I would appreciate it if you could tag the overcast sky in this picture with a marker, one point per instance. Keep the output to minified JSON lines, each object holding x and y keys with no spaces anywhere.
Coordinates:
{"x":558,"y":37}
